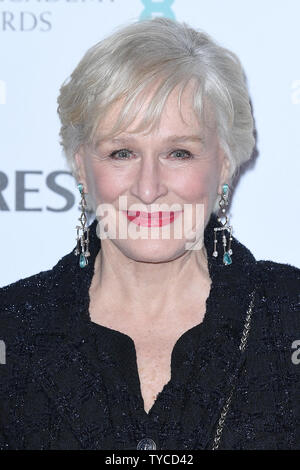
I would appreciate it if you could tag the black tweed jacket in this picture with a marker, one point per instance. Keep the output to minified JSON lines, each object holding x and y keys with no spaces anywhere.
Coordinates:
{"x":69,"y":383}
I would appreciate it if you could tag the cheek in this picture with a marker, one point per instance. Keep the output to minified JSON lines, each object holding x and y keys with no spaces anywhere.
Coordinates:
{"x":198,"y":184}
{"x":106,"y":184}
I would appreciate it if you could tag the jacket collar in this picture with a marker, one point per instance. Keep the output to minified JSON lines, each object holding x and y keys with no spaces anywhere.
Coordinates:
{"x":75,"y":281}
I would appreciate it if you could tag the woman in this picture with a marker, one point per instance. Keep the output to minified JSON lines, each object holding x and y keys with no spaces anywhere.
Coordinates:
{"x":172,"y":335}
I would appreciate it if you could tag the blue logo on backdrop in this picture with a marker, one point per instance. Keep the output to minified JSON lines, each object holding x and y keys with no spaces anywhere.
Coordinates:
{"x":157,"y":8}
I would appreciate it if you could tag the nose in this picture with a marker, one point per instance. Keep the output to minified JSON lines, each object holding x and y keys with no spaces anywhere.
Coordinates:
{"x":149,"y":184}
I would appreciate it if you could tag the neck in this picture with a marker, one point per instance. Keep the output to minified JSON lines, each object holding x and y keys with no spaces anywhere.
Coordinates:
{"x":148,"y":291}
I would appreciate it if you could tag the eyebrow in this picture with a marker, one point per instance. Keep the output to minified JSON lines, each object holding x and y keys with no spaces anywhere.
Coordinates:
{"x":171,"y":138}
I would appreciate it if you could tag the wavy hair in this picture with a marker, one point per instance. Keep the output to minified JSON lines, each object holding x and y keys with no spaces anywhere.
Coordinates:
{"x":160,"y":53}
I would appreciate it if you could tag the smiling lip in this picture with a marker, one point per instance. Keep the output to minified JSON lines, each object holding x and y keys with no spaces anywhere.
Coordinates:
{"x":152,"y":219}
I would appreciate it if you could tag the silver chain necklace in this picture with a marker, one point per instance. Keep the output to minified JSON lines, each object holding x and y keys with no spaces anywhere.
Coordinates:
{"x":242,"y":348}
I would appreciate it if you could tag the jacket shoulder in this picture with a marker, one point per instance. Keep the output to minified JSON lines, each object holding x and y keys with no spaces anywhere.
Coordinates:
{"x":279,"y":279}
{"x":19,"y":301}
{"x":280,"y":288}
{"x":19,"y":290}
{"x":30,"y":298}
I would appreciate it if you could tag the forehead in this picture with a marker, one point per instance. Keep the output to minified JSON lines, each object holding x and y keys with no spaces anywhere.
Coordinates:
{"x":125,"y":137}
{"x":177,"y":118}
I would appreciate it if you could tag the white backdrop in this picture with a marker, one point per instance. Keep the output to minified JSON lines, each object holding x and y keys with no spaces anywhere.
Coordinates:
{"x":41,"y":42}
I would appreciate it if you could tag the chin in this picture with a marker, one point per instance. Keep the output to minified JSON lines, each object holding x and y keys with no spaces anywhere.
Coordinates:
{"x":153,"y":251}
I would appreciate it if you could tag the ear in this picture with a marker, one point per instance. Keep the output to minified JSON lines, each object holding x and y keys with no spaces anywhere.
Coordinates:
{"x":224,"y":172}
{"x":81,"y":172}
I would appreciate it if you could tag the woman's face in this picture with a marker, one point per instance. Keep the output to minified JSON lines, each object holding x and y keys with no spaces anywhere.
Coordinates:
{"x":179,"y":163}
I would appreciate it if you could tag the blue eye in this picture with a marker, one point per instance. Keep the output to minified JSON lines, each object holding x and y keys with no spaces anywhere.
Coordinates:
{"x":124,"y":154}
{"x":121,"y":151}
{"x":186,"y":154}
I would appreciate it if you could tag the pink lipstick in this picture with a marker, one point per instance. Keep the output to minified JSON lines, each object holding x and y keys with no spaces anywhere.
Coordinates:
{"x":152,"y":219}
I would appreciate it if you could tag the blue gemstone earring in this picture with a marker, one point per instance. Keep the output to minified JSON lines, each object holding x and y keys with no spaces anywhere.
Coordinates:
{"x":83,"y":238}
{"x":227,"y":249}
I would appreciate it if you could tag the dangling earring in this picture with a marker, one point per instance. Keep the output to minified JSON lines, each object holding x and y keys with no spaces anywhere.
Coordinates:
{"x":81,"y":239}
{"x":227,"y":249}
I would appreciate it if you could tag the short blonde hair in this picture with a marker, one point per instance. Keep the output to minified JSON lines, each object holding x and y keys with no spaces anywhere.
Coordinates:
{"x":135,"y":58}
